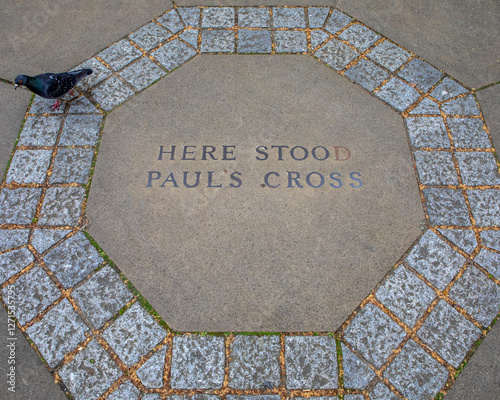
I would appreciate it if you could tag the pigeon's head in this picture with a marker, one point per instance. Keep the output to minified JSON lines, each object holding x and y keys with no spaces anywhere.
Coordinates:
{"x":20,"y":80}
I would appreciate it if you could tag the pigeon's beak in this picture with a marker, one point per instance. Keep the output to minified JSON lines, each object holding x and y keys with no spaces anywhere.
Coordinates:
{"x":15,"y":86}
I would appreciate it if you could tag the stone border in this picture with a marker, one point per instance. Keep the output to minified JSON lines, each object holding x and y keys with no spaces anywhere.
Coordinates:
{"x":407,"y":339}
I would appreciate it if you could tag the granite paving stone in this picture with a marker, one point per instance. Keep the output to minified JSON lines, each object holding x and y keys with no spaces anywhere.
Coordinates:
{"x":62,"y":206}
{"x":99,"y":73}
{"x":120,"y":54}
{"x":133,"y":334}
{"x":171,"y":21}
{"x":447,"y":89}
{"x":173,"y":54}
{"x":82,"y":105}
{"x":421,"y":74}
{"x":490,"y":261}
{"x":218,"y":17}
{"x":436,"y":168}
{"x":316,"y":398}
{"x":478,"y":168}
{"x":449,"y":333}
{"x":485,"y":206}
{"x":311,"y":362}
{"x":252,"y":41}
{"x":41,"y":105}
{"x":151,"y":396}
{"x":14,"y":261}
{"x":435,"y":260}
{"x":415,"y":373}
{"x":468,"y":133}
{"x":126,"y":391}
{"x":111,"y":93}
{"x":81,"y":130}
{"x":72,"y":166}
{"x":426,"y":107}
{"x":151,"y":372}
{"x":43,"y":239}
{"x":191,"y":37}
{"x":317,"y":38}
{"x":427,"y":132}
{"x":18,"y":206}
{"x":366,"y":74}
{"x":40,"y":130}
{"x":290,"y":41}
{"x":463,"y":106}
{"x":190,"y":16}
{"x":446,"y":207}
{"x":254,"y":362}
{"x":196,"y":396}
{"x":336,"y":54}
{"x":382,"y":392}
{"x":398,"y":94}
{"x":354,"y":397}
{"x":254,"y":17}
{"x":337,"y":21}
{"x":357,"y":375}
{"x":29,"y":166}
{"x":463,"y":238}
{"x":289,"y":17}
{"x":58,"y":332}
{"x":34,"y":292}
{"x":491,"y":239}
{"x":13,"y":238}
{"x":389,"y":55}
{"x":217,"y":41}
{"x":254,"y":397}
{"x":374,"y":335}
{"x":73,"y":260}
{"x":477,"y":294}
{"x":359,"y":36}
{"x":142,"y":73}
{"x":102,"y":296}
{"x":91,"y":373}
{"x":317,"y":16}
{"x":150,"y":36}
{"x":197,"y":362}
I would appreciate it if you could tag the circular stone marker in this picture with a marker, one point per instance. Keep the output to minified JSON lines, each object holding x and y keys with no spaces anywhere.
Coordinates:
{"x":287,"y":197}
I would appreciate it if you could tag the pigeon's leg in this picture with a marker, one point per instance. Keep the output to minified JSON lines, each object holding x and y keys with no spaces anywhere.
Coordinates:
{"x":72,"y":92}
{"x":56,"y":105}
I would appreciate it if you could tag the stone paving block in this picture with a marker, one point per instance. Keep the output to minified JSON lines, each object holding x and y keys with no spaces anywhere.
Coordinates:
{"x":171,"y":21}
{"x":357,"y":375}
{"x":463,"y":238}
{"x":389,"y":55}
{"x":405,"y":295}
{"x":491,"y":239}
{"x":359,"y":36}
{"x":73,"y":260}
{"x":33,"y":293}
{"x":254,"y":362}
{"x":142,"y":73}
{"x":485,"y":206}
{"x":446,"y":207}
{"x":427,"y":132}
{"x":463,"y":106}
{"x":436,"y":168}
{"x":218,"y":17}
{"x":14,"y":261}
{"x":398,"y":94}
{"x":41,"y":106}
{"x":374,"y":334}
{"x":478,"y":168}
{"x":426,"y":106}
{"x":315,"y":398}
{"x":102,"y":296}
{"x":382,"y":392}
{"x":311,"y":362}
{"x":151,"y":372}
{"x":217,"y":41}
{"x":150,"y":36}
{"x":415,"y":373}
{"x":337,"y":21}
{"x":197,"y":362}
{"x":112,"y":93}
{"x":40,"y":130}
{"x":43,"y":239}
{"x":317,"y":38}
{"x":99,"y":73}
{"x":252,"y":41}
{"x":447,"y":89}
{"x":336,"y":54}
{"x":10,"y":238}
{"x":81,"y":130}
{"x":62,"y":206}
{"x":290,"y":41}
{"x":366,"y":74}
{"x":90,"y":373}
{"x":120,"y":54}
{"x":151,"y":396}
{"x":421,"y":74}
{"x":190,"y":16}
{"x":354,"y":397}
{"x":191,"y":37}
{"x":29,"y":166}
{"x":17,"y":206}
{"x":133,"y":334}
{"x":196,"y":396}
{"x":435,"y":260}
{"x":490,"y":261}
{"x":289,"y":17}
{"x":477,"y":295}
{"x":82,"y":105}
{"x":468,"y":133}
{"x":173,"y":54}
{"x":254,"y":17}
{"x":449,"y":333}
{"x":254,"y":397}
{"x":70,"y":332}
{"x":317,"y":16}
{"x":126,"y":391}
{"x":72,"y":166}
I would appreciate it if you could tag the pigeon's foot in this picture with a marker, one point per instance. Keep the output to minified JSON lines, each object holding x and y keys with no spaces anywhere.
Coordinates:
{"x":56,"y":105}
{"x":71,"y":92}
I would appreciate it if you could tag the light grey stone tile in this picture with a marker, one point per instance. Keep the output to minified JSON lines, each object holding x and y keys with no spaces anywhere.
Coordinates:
{"x":72,"y":166}
{"x":29,"y":166}
{"x":382,"y":392}
{"x":436,"y":168}
{"x":426,"y":107}
{"x":420,"y":73}
{"x":126,"y":391}
{"x":485,"y":206}
{"x":43,"y":239}
{"x":173,"y":54}
{"x":18,"y":206}
{"x":190,"y":16}
{"x":82,"y":105}
{"x":336,"y":54}
{"x":99,"y":73}
{"x":217,"y":41}
{"x":290,"y":41}
{"x":463,"y":106}
{"x":190,"y":36}
{"x":398,"y":94}
{"x":317,"y":38}
{"x":142,"y":73}
{"x":14,"y":261}
{"x":151,"y":372}
{"x":253,"y":41}
{"x":289,"y":17}
{"x":41,"y":106}
{"x":468,"y":133}
{"x":171,"y":21}
{"x":218,"y":17}
{"x":337,"y":21}
{"x":196,"y":396}
{"x":112,"y":93}
{"x":463,"y":238}
{"x":366,"y":74}
{"x":490,"y":261}
{"x":357,"y":375}
{"x":150,"y":36}
{"x":120,"y":54}
{"x":359,"y":36}
{"x":10,"y":238}
{"x":151,"y":396}
{"x":389,"y":55}
{"x":40,"y":130}
{"x":317,"y":16}
{"x":478,"y":168}
{"x":254,"y":17}
{"x":427,"y":132}
{"x":81,"y":130}
{"x":447,"y":89}
{"x":491,"y":239}
{"x":446,"y":207}
{"x":62,"y":206}
{"x":254,"y":397}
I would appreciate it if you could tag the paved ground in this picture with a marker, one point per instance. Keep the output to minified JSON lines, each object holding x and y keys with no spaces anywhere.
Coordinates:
{"x":439,"y":299}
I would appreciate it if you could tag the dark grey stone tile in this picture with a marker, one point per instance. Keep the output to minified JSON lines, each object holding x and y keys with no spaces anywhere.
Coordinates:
{"x":359,"y":36}
{"x":81,"y":130}
{"x":436,"y":168}
{"x":173,"y":54}
{"x":490,"y":261}
{"x":337,"y":21}
{"x":366,"y":74}
{"x":485,"y":206}
{"x":317,"y":16}
{"x":218,"y":17}
{"x":18,"y":206}
{"x":10,"y":238}
{"x":357,"y":375}
{"x":447,"y":89}
{"x":99,"y":73}
{"x":126,"y":391}
{"x":40,"y":130}
{"x":171,"y":21}
{"x":463,"y":106}
{"x":29,"y":166}
{"x":14,"y":261}
{"x":72,"y":166}
{"x":463,"y":238}
{"x":491,"y":239}
{"x":420,"y":73}
{"x":142,"y":73}
{"x":468,"y":133}
{"x":446,"y":207}
{"x":289,"y":17}
{"x":62,"y":206}
{"x":336,"y":54}
{"x":398,"y":94}
{"x":478,"y":168}
{"x":190,"y":16}
{"x":254,"y":17}
{"x":427,"y":132}
{"x":290,"y":41}
{"x":150,"y":36}
{"x":389,"y":55}
{"x":252,"y":41}
{"x":120,"y":54}
{"x":112,"y":93}
{"x":151,"y":372}
{"x":426,"y":107}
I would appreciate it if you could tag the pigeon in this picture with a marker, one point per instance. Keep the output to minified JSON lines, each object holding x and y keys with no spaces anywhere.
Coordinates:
{"x":52,"y":86}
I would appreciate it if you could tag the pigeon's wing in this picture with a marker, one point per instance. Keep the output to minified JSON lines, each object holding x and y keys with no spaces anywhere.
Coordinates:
{"x":56,"y":85}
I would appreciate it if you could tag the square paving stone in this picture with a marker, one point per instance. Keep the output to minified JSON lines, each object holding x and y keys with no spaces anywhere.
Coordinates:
{"x":151,"y":372}
{"x":446,"y":207}
{"x":435,"y":260}
{"x":317,"y":38}
{"x":40,"y":130}
{"x":58,"y":332}
{"x":142,"y":73}
{"x":449,"y":333}
{"x":134,"y":334}
{"x":317,"y":16}
{"x":415,"y":373}
{"x":420,"y":73}
{"x":82,"y":105}
{"x":41,"y":106}
{"x":463,"y":238}
{"x":252,"y":41}
{"x":382,"y":392}
{"x":359,"y":36}
{"x":218,"y":17}
{"x":254,"y":362}
{"x":29,"y":166}
{"x":405,"y":295}
{"x":491,"y":239}
{"x":43,"y":239}
{"x":196,"y":396}
{"x":289,"y":17}
{"x":489,"y":261}
{"x":73,"y":260}
{"x":389,"y":55}
{"x":478,"y":168}
{"x":150,"y":36}
{"x":337,"y":21}
{"x":197,"y":362}
{"x":254,"y":397}
{"x":173,"y":54}
{"x":477,"y":294}
{"x":72,"y":166}
{"x":427,"y":132}
{"x":254,"y":17}
{"x":151,"y":396}
{"x":354,"y":397}
{"x":290,"y":41}
{"x":190,"y":16}
{"x":14,"y":261}
{"x":374,"y":334}
{"x":18,"y":206}
{"x":366,"y":74}
{"x":171,"y":21}
{"x":217,"y":41}
{"x":191,"y":37}
{"x":357,"y":375}
{"x":81,"y":130}
{"x":10,"y":238}
{"x":112,"y":93}
{"x":336,"y":54}
{"x":126,"y":391}
{"x":311,"y":362}
{"x":426,"y":106}
{"x":102,"y":296}
{"x":485,"y":206}
{"x":436,"y":168}
{"x":464,"y":106}
{"x":468,"y":133}
{"x":120,"y":54}
{"x":99,"y":73}
{"x":447,"y":89}
{"x":62,"y":206}
{"x":90,"y":373}
{"x":398,"y":94}
{"x":34,"y":292}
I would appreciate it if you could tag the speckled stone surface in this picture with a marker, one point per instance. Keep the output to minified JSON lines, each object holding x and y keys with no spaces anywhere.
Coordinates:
{"x":463,"y":238}
{"x":43,"y":239}
{"x":427,"y":132}
{"x":337,"y":21}
{"x":40,"y":130}
{"x":447,"y":89}
{"x":80,"y":130}
{"x":446,"y":207}
{"x":120,"y":54}
{"x":398,"y":94}
{"x":421,"y":74}
{"x":62,"y":206}
{"x":336,"y":54}
{"x":367,"y":74}
{"x":142,"y":73}
{"x":17,"y":206}
{"x":112,"y":93}
{"x":72,"y":166}
{"x":461,"y":106}
{"x":468,"y":133}
{"x":489,"y":261}
{"x":29,"y":166}
{"x":254,"y":17}
{"x":359,"y":36}
{"x":289,"y":17}
{"x":150,"y":36}
{"x":218,"y":41}
{"x":126,"y":391}
{"x":173,"y":54}
{"x":436,"y":168}
{"x":389,"y":55}
{"x":151,"y":372}
{"x":357,"y":375}
{"x":13,"y":238}
{"x":251,"y":41}
{"x":14,"y":261}
{"x":382,"y":392}
{"x":290,"y":41}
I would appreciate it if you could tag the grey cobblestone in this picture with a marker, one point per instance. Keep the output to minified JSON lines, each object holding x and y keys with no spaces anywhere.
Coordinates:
{"x":490,"y":261}
{"x":252,"y":41}
{"x":421,"y":74}
{"x":150,"y":36}
{"x":367,"y":74}
{"x":254,"y":17}
{"x":29,"y":166}
{"x":10,"y":238}
{"x":151,"y":372}
{"x":289,"y":17}
{"x":191,"y":37}
{"x":82,"y":105}
{"x":336,"y":54}
{"x":40,"y":130}
{"x":427,"y":132}
{"x":218,"y":17}
{"x":197,"y":396}
{"x":254,"y":397}
{"x":478,"y":168}
{"x":398,"y":94}
{"x":426,"y":107}
{"x":357,"y":375}
{"x":126,"y":391}
{"x":436,"y":168}
{"x":190,"y":16}
{"x":463,"y":238}
{"x":151,"y":396}
{"x":62,"y":206}
{"x":382,"y":392}
{"x":18,"y":206}
{"x":120,"y":54}
{"x":217,"y":41}
{"x":485,"y":206}
{"x":464,"y":106}
{"x":112,"y":93}
{"x":468,"y":133}
{"x":99,"y":73}
{"x":81,"y":130}
{"x":72,"y":166}
{"x":173,"y":54}
{"x":359,"y":36}
{"x":317,"y":16}
{"x":290,"y":41}
{"x":317,"y":38}
{"x":14,"y":261}
{"x":41,"y":106}
{"x":447,"y":89}
{"x":446,"y":207}
{"x":142,"y":73}
{"x":171,"y":21}
{"x":337,"y":21}
{"x":491,"y":239}
{"x":43,"y":239}
{"x":389,"y":55}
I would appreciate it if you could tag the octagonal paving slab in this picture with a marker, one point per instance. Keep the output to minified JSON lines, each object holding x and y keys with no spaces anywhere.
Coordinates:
{"x":418,"y":324}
